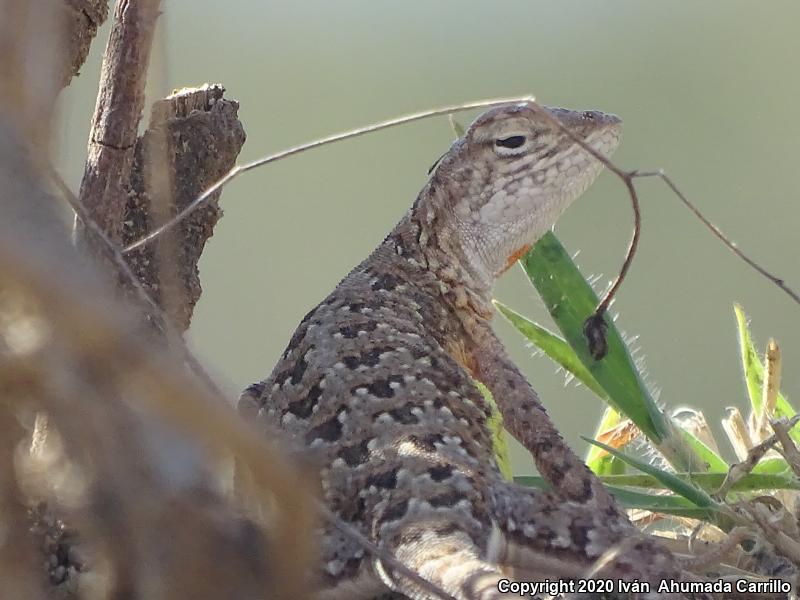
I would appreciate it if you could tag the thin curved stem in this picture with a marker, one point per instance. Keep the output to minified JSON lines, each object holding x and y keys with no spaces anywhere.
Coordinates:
{"x":594,"y":324}
{"x":718,"y":232}
{"x":633,"y":245}
{"x":239,"y":169}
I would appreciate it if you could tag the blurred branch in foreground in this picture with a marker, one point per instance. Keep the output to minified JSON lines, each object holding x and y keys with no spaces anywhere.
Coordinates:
{"x":150,"y":513}
{"x":119,"y":482}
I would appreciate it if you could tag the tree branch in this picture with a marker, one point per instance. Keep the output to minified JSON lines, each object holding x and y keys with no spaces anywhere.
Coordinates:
{"x":116,"y":116}
{"x":194,"y":137}
{"x":82,"y":20}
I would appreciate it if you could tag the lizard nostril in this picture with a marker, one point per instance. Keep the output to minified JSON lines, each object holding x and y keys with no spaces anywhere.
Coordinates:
{"x":589,"y":114}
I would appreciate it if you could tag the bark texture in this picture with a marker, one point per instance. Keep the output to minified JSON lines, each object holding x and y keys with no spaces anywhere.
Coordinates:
{"x":120,"y":101}
{"x":82,"y":20}
{"x":194,"y":136}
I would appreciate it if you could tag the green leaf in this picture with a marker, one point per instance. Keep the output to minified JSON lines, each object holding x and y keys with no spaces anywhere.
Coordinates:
{"x":707,"y":481}
{"x":602,"y":463}
{"x":669,"y":480}
{"x":563,"y":354}
{"x":532,"y":481}
{"x":659,"y":503}
{"x":713,"y":461}
{"x":571,"y":300}
{"x":457,"y":127}
{"x":671,"y":505}
{"x":754,"y":373}
{"x":656,"y":502}
{"x":772,"y":466}
{"x":552,"y":345}
{"x":751,"y":363}
{"x":499,"y":442}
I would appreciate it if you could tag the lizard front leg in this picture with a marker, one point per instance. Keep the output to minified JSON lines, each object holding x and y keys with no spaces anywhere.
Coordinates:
{"x":548,"y":538}
{"x":537,"y":526}
{"x":527,"y":420}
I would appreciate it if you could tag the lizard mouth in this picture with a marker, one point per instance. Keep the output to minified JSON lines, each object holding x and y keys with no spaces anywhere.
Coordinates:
{"x":605,"y":140}
{"x":577,"y":119}
{"x":602,"y":131}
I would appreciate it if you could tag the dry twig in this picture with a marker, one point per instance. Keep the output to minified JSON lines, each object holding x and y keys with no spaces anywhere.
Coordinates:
{"x":260,"y":162}
{"x":120,"y":101}
{"x":83,"y":19}
{"x":739,"y":470}
{"x":788,"y":448}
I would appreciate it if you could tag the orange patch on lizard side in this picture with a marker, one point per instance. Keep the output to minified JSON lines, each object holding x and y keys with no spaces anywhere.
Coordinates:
{"x":618,"y":436}
{"x":515,"y":256}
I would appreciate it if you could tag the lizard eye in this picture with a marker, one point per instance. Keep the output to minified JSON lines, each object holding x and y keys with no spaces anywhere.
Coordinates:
{"x":515,"y":141}
{"x":511,"y":146}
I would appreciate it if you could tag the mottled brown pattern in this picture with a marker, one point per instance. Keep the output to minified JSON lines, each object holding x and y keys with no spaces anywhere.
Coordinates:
{"x":378,"y":381}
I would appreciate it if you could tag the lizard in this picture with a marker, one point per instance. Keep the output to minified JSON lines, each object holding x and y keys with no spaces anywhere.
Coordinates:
{"x":378,"y":384}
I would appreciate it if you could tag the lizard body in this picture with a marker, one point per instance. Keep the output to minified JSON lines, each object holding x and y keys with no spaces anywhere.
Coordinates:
{"x":378,"y":382}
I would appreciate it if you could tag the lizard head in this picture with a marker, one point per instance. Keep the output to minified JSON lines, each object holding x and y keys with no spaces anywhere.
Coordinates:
{"x":507,"y":180}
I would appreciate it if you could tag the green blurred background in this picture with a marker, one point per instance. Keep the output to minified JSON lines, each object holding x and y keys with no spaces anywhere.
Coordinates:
{"x":707,"y":90}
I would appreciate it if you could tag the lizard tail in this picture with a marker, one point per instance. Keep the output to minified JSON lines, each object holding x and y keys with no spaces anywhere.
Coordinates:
{"x":450,"y":563}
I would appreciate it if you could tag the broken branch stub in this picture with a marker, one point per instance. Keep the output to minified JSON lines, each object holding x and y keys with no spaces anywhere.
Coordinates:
{"x":194,"y":138}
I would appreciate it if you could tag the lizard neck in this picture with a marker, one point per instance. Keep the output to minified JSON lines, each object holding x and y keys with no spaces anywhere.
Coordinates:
{"x":456,"y":271}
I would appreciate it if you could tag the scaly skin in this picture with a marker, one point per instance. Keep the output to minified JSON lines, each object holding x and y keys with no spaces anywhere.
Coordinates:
{"x":377,"y":382}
